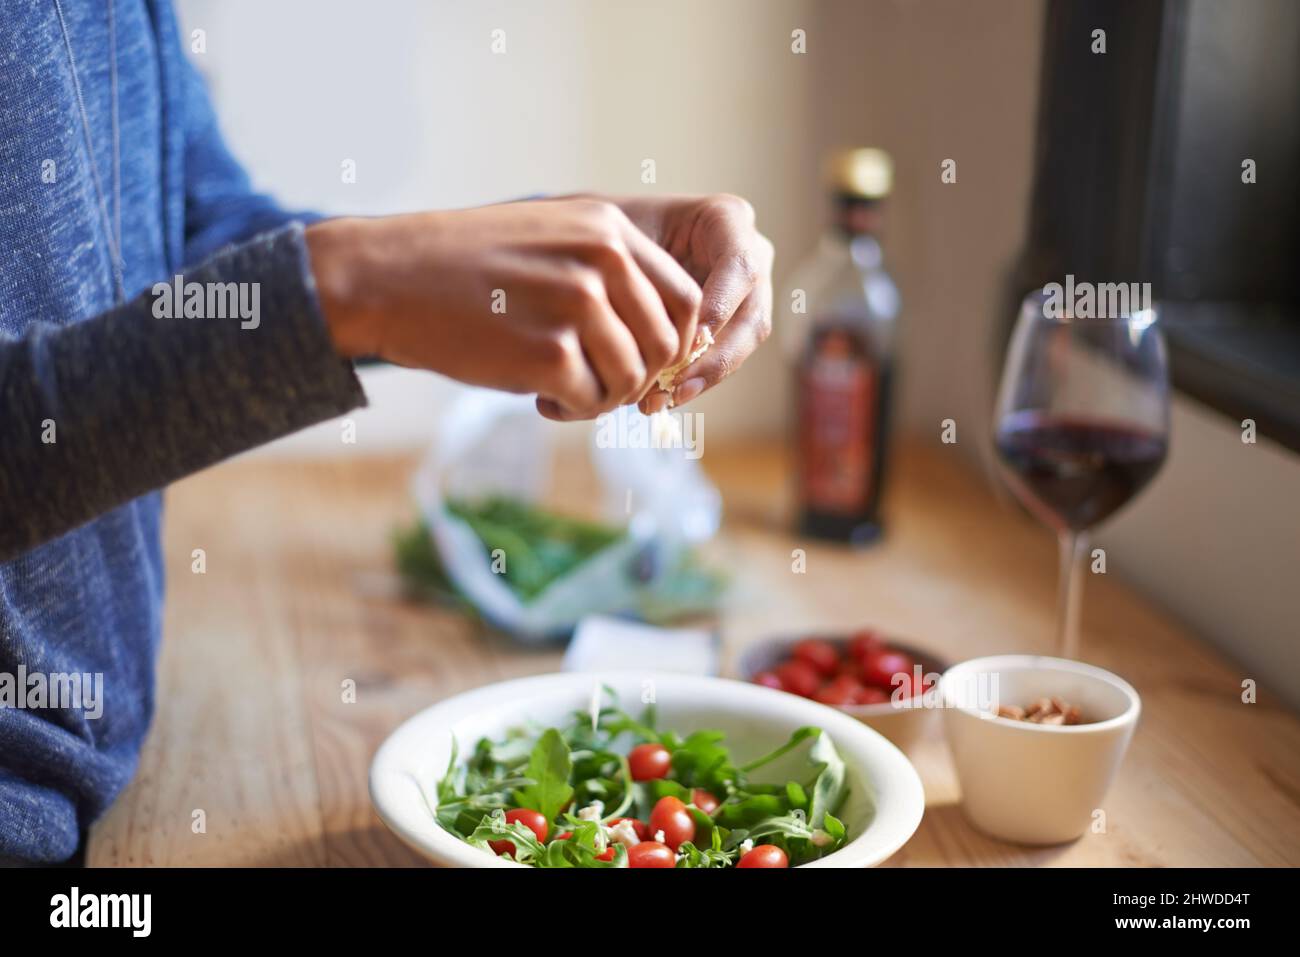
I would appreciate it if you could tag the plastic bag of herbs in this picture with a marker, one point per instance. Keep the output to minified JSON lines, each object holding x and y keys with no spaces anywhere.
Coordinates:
{"x":485,"y":544}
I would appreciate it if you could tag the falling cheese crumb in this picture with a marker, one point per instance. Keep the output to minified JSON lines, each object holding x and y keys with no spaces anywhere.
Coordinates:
{"x":665,"y":430}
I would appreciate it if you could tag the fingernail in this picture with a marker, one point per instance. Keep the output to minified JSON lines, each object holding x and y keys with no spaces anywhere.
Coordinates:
{"x":550,"y":409}
{"x":656,"y":401}
{"x":688,"y":390}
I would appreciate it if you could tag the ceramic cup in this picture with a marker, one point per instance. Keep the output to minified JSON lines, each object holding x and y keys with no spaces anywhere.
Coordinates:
{"x":1033,"y":783}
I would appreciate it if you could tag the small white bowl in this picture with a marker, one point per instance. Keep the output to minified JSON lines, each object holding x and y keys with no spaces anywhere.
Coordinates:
{"x":883,"y":810}
{"x":1033,"y":783}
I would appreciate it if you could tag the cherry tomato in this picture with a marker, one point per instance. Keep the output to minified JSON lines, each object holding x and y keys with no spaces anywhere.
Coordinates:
{"x":866,"y":643}
{"x":798,"y":677}
{"x":879,"y":669}
{"x":641,"y":828}
{"x":533,"y":820}
{"x":822,"y":655}
{"x":671,"y":817}
{"x":765,"y":855}
{"x":871,"y":696}
{"x":651,"y":854}
{"x":649,"y":761}
{"x":704,"y":800}
{"x":849,"y":666}
{"x":769,"y":679}
{"x":839,"y":691}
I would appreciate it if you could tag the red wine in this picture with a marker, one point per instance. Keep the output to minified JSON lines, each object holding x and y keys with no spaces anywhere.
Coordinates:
{"x":1075,"y":472}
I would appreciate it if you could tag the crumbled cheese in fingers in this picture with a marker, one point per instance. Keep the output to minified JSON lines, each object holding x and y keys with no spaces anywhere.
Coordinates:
{"x":703,"y":339}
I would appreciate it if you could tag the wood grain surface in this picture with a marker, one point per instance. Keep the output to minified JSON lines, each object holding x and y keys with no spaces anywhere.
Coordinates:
{"x":299,"y":597}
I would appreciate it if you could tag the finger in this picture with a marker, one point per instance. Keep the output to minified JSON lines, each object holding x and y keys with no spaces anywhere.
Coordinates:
{"x":645,"y":315}
{"x":550,"y":409}
{"x":749,"y":327}
{"x":679,"y":292}
{"x":569,"y":384}
{"x":613,"y":354}
{"x":732,"y":278}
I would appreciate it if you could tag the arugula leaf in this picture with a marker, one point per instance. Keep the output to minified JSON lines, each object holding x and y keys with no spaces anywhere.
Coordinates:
{"x":789,"y":825}
{"x":447,"y":786}
{"x":801,"y":735}
{"x":549,"y":767}
{"x":835,"y":828}
{"x":692,"y":856}
{"x":701,"y":761}
{"x":628,"y":789}
{"x":831,"y":786}
{"x":582,"y":849}
{"x":494,"y":827}
{"x":514,"y":751}
{"x":614,"y":722}
{"x":749,"y":811}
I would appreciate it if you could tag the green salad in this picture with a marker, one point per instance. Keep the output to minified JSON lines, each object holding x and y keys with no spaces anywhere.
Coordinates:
{"x":543,"y":547}
{"x":608,"y":790}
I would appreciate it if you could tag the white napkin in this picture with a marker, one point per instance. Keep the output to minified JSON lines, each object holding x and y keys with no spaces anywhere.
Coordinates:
{"x":603,"y":643}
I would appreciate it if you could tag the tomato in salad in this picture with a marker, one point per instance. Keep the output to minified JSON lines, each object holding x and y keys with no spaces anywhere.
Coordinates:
{"x":765,"y":855}
{"x":649,"y":761}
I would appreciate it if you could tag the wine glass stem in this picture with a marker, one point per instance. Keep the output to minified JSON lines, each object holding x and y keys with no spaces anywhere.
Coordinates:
{"x":1070,"y":593}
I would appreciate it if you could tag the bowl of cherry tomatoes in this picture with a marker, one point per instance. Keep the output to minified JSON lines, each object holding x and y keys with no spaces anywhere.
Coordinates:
{"x":887,"y":684}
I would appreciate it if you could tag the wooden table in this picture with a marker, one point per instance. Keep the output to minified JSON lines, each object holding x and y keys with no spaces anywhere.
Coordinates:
{"x":299,"y":597}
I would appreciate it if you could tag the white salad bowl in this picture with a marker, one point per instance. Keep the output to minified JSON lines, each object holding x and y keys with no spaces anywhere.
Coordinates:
{"x":883,"y":809}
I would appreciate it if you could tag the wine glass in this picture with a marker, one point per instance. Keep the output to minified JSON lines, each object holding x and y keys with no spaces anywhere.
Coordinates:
{"x":1081,"y":425}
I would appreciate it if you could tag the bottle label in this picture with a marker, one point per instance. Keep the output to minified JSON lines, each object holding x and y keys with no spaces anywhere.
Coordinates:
{"x":836,"y":425}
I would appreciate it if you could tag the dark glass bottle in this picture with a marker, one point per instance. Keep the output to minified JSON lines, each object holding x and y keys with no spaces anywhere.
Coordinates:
{"x":844,"y":359}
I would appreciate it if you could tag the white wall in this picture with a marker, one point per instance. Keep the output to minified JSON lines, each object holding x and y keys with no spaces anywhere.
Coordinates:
{"x":1216,"y":540}
{"x":931,"y":81}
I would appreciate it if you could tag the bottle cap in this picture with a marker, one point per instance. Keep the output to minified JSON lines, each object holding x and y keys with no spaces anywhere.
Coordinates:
{"x":863,"y":173}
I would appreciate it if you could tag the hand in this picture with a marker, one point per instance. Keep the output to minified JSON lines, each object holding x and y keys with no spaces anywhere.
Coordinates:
{"x":564,"y":298}
{"x":715,"y":239}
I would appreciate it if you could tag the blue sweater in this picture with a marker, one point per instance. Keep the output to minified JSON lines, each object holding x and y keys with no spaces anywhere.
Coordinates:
{"x":102,"y":402}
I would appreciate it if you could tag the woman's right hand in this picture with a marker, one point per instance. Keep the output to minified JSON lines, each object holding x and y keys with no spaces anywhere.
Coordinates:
{"x":563,"y":298}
